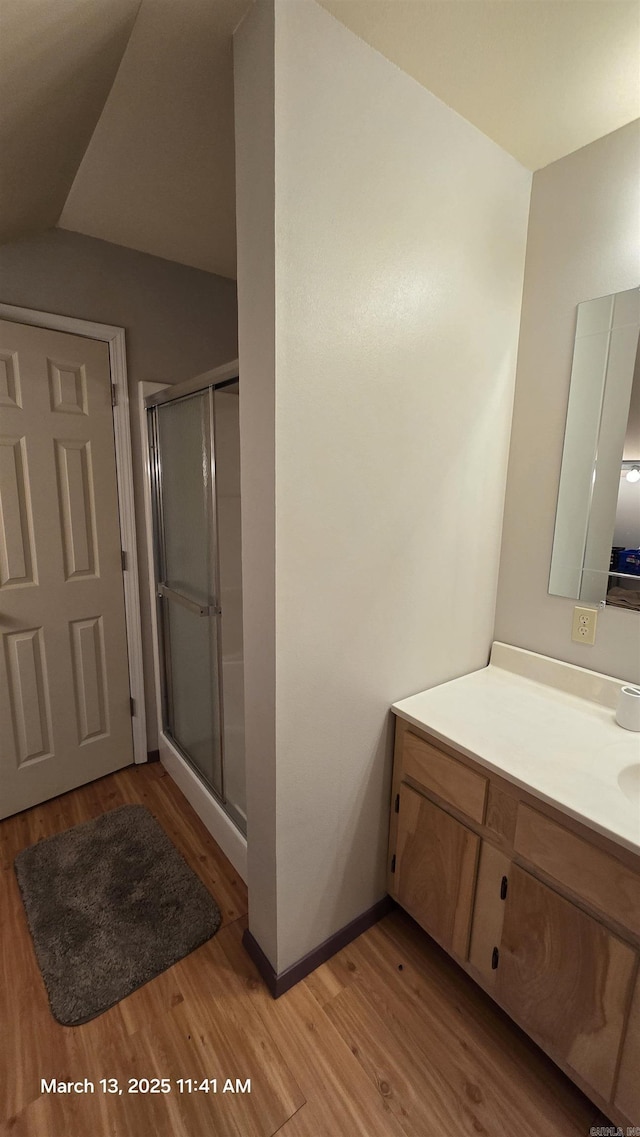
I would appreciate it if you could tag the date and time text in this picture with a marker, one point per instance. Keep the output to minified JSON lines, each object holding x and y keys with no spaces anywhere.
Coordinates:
{"x":148,"y":1086}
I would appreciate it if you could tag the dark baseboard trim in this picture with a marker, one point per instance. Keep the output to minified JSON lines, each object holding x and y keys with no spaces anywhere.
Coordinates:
{"x":279,"y":983}
{"x":257,"y":956}
{"x":153,"y":755}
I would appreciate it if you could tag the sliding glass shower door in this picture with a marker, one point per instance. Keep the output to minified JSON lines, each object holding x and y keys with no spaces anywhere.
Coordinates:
{"x":188,"y":587}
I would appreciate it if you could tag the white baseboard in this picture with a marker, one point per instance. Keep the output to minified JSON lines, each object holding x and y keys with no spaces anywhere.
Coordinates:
{"x":221,"y":828}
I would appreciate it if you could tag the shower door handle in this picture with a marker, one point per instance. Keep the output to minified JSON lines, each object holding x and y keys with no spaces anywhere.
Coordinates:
{"x":186,"y":602}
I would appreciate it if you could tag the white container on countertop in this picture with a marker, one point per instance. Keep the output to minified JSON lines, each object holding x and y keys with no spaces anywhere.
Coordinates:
{"x":628,"y":711}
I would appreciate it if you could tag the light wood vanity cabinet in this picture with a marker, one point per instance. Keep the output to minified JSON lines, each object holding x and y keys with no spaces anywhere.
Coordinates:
{"x":541,"y":911}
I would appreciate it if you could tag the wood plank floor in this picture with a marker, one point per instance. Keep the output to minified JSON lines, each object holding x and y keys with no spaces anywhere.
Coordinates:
{"x":388,"y":1039}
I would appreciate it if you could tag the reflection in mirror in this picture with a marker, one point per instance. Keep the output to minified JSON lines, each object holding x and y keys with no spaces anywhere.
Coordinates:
{"x":596,"y":545}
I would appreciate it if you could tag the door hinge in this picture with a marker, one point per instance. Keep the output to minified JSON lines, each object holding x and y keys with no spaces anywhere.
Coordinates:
{"x":132,"y":706}
{"x":393,"y":863}
{"x":397,"y":804}
{"x":504,"y":884}
{"x":495,"y":958}
{"x":114,"y":395}
{"x":123,"y":557}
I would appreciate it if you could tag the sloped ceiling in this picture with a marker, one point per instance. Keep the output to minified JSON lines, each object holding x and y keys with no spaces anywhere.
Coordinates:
{"x":158,"y":175}
{"x":540,"y":77}
{"x":58,"y":60}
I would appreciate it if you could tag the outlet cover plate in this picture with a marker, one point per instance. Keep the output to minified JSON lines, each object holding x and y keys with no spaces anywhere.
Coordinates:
{"x":584,"y":625}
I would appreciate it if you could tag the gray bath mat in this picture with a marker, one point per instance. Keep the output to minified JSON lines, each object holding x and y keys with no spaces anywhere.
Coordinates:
{"x":110,"y":904}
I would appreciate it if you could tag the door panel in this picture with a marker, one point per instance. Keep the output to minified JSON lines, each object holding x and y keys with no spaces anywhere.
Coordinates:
{"x":189,"y":586}
{"x":10,"y":394}
{"x":89,"y":678}
{"x":76,"y":502}
{"x":29,"y":694}
{"x":64,"y":685}
{"x":187,"y":507}
{"x":17,"y":554}
{"x":565,"y":978}
{"x":194,"y":684}
{"x":435,"y":873}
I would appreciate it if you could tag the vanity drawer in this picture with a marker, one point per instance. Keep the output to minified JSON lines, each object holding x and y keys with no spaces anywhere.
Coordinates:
{"x":445,"y":776}
{"x":598,"y":878}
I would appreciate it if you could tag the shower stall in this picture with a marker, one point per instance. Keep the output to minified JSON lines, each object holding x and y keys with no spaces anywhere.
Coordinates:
{"x":194,"y":447}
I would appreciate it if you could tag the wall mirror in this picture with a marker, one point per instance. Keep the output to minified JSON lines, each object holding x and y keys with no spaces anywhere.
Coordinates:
{"x":596,"y":544}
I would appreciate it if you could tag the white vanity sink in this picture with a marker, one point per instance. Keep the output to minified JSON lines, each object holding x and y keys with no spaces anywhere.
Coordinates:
{"x":629,"y":782}
{"x":548,"y":727}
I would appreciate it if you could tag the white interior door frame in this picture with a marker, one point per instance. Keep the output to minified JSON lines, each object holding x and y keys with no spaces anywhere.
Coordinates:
{"x":115,"y":338}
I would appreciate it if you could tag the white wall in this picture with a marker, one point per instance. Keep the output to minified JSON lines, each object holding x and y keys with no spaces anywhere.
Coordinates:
{"x":179,"y":322}
{"x":399,"y":254}
{"x":583,"y":242}
{"x":255,"y":205}
{"x":229,"y":521}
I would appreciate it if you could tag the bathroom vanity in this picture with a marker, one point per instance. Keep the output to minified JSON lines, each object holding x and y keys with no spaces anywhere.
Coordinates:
{"x":515,"y":843}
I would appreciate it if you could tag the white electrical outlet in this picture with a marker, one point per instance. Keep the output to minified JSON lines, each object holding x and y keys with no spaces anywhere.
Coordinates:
{"x":584,"y":625}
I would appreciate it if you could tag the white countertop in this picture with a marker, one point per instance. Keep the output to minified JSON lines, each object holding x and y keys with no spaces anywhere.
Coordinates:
{"x":546,"y":726}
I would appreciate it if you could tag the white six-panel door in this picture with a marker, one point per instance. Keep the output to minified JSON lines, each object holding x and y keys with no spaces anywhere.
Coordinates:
{"x":65,"y":715}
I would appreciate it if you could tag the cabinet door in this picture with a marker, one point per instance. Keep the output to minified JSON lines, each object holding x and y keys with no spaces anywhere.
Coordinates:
{"x":488,"y":911}
{"x":627,"y":1096}
{"x":564,"y":978}
{"x":436,"y":860}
